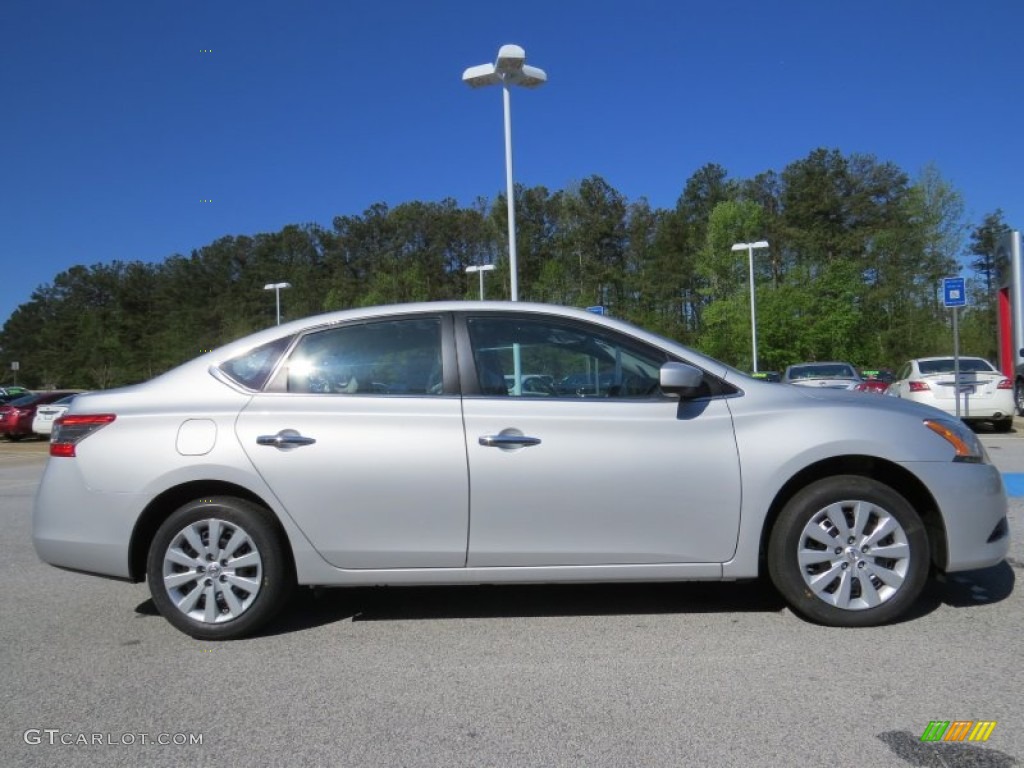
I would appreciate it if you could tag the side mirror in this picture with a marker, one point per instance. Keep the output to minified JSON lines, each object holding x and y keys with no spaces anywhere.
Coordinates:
{"x":680,"y":379}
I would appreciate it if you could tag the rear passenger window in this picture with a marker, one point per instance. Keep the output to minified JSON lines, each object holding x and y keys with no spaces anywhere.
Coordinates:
{"x":394,"y":357}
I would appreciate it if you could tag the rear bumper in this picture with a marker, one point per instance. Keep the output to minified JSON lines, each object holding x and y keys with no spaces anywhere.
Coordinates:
{"x":16,"y":426}
{"x":987,"y":413}
{"x":991,"y":408}
{"x":77,"y":528}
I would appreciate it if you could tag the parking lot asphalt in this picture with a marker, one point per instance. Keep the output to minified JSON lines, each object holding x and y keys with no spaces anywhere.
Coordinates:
{"x":28,"y":447}
{"x":597,"y":675}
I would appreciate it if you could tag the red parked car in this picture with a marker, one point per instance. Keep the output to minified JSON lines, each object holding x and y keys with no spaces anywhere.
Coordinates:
{"x":16,"y":416}
{"x":876,"y":381}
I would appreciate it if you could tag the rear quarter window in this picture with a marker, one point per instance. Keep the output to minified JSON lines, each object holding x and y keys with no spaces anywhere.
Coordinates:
{"x":253,"y":368}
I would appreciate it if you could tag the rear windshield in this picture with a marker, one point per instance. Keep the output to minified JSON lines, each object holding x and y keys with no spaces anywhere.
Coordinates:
{"x":25,"y":400}
{"x":822,"y":372}
{"x":945,"y":365}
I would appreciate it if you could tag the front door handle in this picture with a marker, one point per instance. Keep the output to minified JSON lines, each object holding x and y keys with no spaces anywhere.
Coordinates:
{"x":508,"y":441}
{"x":286,"y":439}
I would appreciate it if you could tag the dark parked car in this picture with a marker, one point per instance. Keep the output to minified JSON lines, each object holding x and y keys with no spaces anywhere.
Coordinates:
{"x":16,"y":416}
{"x":12,"y":393}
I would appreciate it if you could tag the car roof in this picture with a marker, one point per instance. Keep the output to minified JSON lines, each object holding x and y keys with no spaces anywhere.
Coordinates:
{"x":477,"y":307}
{"x":822,"y":362}
{"x":947,"y":357}
{"x":324,"y":321}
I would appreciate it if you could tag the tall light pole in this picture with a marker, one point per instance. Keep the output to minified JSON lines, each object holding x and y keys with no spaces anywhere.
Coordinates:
{"x":276,"y":288}
{"x":510,"y":69}
{"x":749,"y":248}
{"x":480,"y":269}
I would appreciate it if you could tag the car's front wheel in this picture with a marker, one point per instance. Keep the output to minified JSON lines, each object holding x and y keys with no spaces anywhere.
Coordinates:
{"x":849,"y":551}
{"x":217,"y":568}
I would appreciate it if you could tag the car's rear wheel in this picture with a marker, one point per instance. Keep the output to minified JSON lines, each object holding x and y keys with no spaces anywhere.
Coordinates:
{"x":1003,"y":425}
{"x":217,"y":568}
{"x":848,"y":551}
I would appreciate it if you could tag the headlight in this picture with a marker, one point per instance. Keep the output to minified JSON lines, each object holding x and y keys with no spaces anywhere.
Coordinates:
{"x":966,"y":444}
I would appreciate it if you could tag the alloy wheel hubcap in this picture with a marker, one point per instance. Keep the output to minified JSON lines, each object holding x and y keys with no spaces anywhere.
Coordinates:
{"x":212,"y":571}
{"x":853,"y":555}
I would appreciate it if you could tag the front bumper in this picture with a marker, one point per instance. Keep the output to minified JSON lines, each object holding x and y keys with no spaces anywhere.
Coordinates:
{"x":972,"y":503}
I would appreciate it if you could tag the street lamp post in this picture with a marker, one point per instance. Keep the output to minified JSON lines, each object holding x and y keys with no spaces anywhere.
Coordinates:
{"x":480,"y":270}
{"x":749,"y":248}
{"x":276,"y":288}
{"x":510,"y":69}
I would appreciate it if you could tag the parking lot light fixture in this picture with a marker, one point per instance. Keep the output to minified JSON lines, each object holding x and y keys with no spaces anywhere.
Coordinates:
{"x":480,"y":269}
{"x":749,"y":248}
{"x":276,"y":288}
{"x":509,"y":69}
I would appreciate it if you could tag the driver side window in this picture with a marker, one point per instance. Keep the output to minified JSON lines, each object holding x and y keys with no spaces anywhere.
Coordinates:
{"x":550,"y":357}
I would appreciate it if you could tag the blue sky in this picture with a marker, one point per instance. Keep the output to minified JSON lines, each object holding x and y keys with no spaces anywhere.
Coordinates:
{"x":116,"y":123}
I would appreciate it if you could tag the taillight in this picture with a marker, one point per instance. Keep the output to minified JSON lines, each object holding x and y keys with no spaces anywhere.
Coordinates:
{"x":1005,"y":384}
{"x":919,"y":386}
{"x":71,"y":429}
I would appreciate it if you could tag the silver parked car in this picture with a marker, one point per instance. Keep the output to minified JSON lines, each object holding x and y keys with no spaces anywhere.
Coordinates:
{"x":385,"y":446}
{"x":828,"y":375}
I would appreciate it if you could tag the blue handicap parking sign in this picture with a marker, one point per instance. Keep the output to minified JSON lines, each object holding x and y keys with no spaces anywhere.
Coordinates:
{"x":954,"y":293}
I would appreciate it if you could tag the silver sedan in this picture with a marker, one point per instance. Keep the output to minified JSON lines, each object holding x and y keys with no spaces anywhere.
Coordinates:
{"x":828,"y":375}
{"x":398,"y":445}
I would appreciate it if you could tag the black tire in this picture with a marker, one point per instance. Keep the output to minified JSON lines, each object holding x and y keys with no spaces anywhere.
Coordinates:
{"x":15,"y":436}
{"x":844,"y":582}
{"x":220,"y":596}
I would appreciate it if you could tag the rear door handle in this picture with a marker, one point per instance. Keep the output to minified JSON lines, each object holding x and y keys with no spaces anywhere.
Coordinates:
{"x":286,"y":439}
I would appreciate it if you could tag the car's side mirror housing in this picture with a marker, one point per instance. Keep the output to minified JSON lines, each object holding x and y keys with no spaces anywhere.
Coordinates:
{"x":680,"y":379}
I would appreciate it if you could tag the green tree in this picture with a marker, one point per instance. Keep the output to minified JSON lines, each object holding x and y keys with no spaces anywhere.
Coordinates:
{"x":856,"y":254}
{"x":983,"y":247}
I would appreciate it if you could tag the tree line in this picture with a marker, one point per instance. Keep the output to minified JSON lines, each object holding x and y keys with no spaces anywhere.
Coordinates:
{"x":853,"y":272}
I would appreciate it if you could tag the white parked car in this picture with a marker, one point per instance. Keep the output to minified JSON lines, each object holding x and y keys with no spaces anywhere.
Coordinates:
{"x":985,"y":394}
{"x":42,"y":422}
